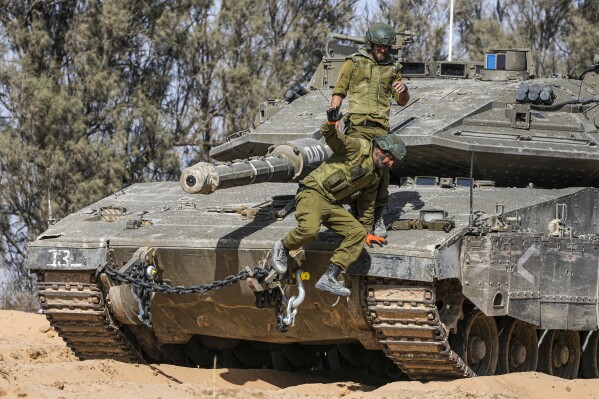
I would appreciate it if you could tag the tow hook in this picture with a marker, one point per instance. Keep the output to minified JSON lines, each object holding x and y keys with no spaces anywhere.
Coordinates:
{"x":294,"y":302}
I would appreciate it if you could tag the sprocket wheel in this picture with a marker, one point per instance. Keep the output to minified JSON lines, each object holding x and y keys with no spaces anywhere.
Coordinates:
{"x":450,"y":301}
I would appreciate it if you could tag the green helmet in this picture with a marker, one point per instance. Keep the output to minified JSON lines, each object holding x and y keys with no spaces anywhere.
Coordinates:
{"x":392,"y":144}
{"x":381,"y":34}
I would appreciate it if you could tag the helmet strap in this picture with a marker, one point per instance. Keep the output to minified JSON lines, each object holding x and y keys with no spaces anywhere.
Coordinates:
{"x":379,"y":160}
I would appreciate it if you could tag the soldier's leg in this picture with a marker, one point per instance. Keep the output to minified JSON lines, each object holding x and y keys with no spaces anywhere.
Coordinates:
{"x":340,"y":221}
{"x":370,"y":133}
{"x":309,"y":210}
{"x":309,"y":205}
{"x":366,"y":132}
{"x":382,"y":199}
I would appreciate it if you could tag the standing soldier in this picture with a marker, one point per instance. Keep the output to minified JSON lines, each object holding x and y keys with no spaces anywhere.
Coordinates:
{"x":370,"y":77}
{"x":352,"y":174}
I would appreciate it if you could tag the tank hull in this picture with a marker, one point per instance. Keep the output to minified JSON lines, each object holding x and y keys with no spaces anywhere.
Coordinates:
{"x":396,"y":290}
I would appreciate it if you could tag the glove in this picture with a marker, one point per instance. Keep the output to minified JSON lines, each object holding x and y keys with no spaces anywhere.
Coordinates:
{"x":333,"y":114}
{"x":371,"y":239}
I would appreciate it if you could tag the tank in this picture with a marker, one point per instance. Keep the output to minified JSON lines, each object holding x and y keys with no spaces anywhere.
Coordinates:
{"x":491,"y":265}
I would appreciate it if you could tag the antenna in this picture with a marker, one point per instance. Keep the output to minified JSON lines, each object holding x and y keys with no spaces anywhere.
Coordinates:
{"x":450,"y":29}
{"x":51,"y":220}
{"x":325,"y":97}
{"x":471,"y":216}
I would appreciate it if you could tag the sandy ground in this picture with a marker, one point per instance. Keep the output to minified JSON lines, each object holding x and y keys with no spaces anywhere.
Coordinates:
{"x":35,"y":363}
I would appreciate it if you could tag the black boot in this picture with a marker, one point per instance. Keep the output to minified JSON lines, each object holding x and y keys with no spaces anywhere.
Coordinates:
{"x":379,"y":222}
{"x":328,"y":282}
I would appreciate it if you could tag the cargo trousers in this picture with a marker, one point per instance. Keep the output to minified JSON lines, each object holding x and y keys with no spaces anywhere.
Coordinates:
{"x":370,"y":133}
{"x":314,"y":210}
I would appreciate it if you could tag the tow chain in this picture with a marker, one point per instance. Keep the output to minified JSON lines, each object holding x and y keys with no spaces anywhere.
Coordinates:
{"x":180,"y":289}
{"x":140,"y":277}
{"x":140,"y":273}
{"x":274,"y":298}
{"x":279,"y":313}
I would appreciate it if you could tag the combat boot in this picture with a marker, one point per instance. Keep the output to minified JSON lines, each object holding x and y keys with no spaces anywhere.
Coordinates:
{"x":379,"y":222}
{"x":328,"y":282}
{"x":279,"y":257}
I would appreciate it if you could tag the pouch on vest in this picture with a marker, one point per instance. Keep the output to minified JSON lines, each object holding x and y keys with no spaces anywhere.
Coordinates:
{"x":335,"y":182}
{"x":356,"y":172}
{"x":355,"y":187}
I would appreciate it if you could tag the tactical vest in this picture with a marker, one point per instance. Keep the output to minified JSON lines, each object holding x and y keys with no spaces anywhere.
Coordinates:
{"x":341,"y":179}
{"x":370,"y":86}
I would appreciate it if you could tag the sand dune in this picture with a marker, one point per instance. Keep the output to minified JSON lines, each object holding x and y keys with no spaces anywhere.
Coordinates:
{"x":35,"y":363}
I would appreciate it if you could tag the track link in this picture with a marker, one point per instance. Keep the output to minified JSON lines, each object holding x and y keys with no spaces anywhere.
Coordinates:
{"x":406,"y":320}
{"x":76,"y":309}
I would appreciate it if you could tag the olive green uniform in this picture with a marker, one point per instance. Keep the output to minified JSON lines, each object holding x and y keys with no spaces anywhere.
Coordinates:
{"x":369,"y":86}
{"x":348,"y":176}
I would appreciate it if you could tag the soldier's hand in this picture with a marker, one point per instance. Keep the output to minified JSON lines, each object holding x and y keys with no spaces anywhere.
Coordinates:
{"x":333,"y":114}
{"x":371,"y":239}
{"x":399,"y":87}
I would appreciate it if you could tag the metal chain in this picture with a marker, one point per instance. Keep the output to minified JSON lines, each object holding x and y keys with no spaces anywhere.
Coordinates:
{"x":143,"y":295}
{"x":280,"y":314}
{"x":144,"y":287}
{"x":276,"y":299}
{"x":146,"y":284}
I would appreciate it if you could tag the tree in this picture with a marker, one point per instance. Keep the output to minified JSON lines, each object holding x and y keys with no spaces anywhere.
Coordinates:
{"x":424,"y":18}
{"x":582,"y":36}
{"x":561,"y":33}
{"x":480,"y":28}
{"x":86,"y":99}
{"x":268,"y":45}
{"x":97,"y":95}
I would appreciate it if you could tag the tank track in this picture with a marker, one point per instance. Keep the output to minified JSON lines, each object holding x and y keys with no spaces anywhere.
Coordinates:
{"x":402,"y":313}
{"x":406,"y":321}
{"x":79,"y":314}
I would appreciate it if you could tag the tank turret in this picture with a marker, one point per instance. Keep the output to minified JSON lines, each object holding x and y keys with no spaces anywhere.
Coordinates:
{"x":289,"y":161}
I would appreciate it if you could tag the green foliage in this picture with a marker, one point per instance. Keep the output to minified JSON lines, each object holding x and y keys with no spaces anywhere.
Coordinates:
{"x":268,"y":45}
{"x":561,"y":33}
{"x":426,"y":19}
{"x":97,"y":95}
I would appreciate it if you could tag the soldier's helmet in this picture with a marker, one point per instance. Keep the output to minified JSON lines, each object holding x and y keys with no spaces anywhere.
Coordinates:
{"x":381,"y":34}
{"x":392,"y":144}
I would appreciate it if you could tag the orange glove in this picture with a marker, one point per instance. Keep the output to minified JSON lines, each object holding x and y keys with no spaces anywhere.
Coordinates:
{"x":371,"y":239}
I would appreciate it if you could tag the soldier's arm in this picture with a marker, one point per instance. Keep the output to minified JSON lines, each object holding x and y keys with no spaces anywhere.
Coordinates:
{"x":339,"y":143}
{"x":365,"y":204}
{"x":400,"y":91}
{"x":342,"y":85}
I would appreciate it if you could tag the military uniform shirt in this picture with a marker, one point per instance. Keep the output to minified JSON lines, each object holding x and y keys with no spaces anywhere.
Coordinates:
{"x":352,"y":160}
{"x":369,"y":86}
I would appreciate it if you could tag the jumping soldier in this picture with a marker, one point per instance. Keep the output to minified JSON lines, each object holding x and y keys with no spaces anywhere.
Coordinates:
{"x":370,"y":77}
{"x":351,"y":175}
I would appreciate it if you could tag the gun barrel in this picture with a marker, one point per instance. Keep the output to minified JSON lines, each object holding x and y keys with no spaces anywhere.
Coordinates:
{"x":356,"y":39}
{"x":289,"y":161}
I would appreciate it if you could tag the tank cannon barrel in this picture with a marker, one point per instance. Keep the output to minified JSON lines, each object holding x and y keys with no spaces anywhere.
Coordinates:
{"x":403,"y":38}
{"x":289,"y":161}
{"x":356,"y":39}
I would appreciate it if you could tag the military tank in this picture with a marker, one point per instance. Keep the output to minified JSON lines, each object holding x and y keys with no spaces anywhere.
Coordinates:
{"x":491,"y":265}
